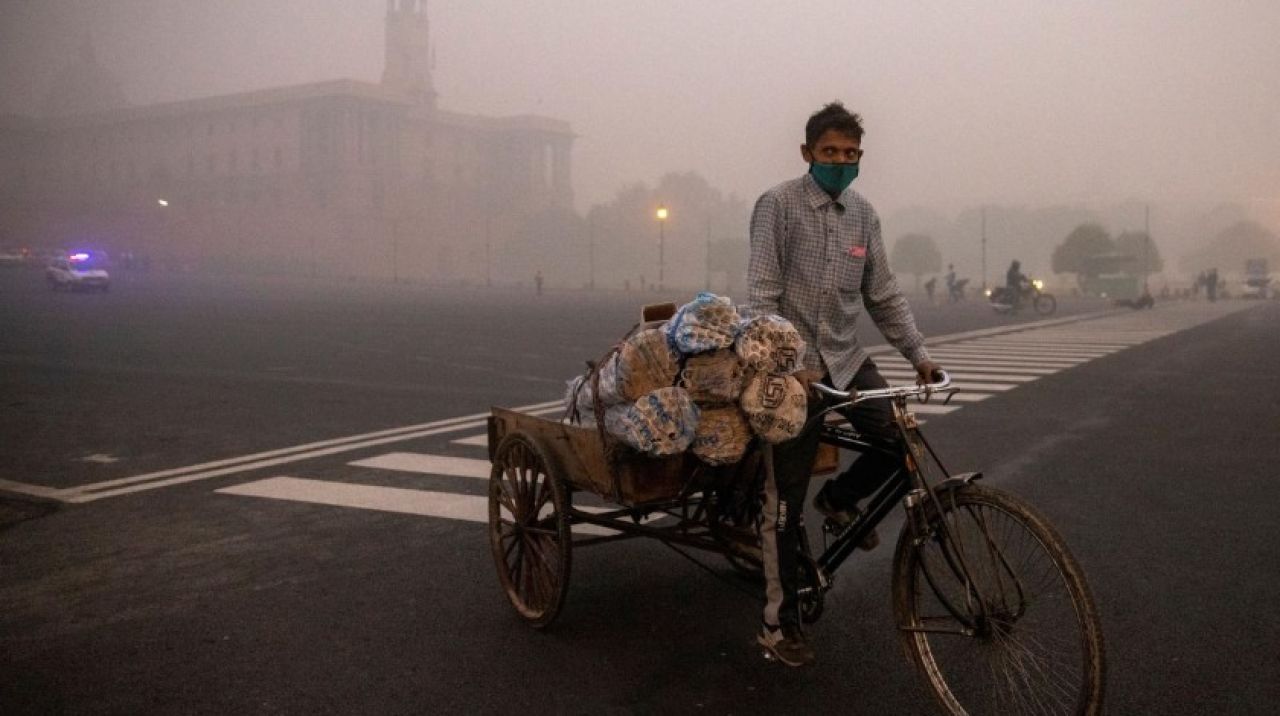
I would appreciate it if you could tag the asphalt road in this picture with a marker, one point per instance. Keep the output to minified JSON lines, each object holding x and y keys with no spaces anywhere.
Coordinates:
{"x":1155,"y":462}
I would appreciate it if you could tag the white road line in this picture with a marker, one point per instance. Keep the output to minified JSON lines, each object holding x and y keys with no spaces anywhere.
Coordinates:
{"x":979,"y":371}
{"x":428,"y":503}
{"x":1012,"y":344}
{"x":931,"y":408}
{"x":980,"y":362}
{"x":481,"y":440}
{"x":128,"y":485}
{"x":74,"y":496}
{"x":24,"y":488}
{"x":967,"y":396}
{"x":448,"y":505}
{"x":425,"y":464}
{"x":408,"y":429}
{"x":966,"y":349}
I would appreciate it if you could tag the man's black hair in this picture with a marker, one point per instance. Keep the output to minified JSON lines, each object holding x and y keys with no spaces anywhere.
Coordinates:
{"x":832,"y":116}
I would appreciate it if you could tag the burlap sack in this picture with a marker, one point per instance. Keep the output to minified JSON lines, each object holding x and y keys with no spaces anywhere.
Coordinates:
{"x":706,"y":323}
{"x":775,"y":406}
{"x":659,"y":424}
{"x":722,"y":435}
{"x":714,"y":377}
{"x":645,"y":363}
{"x":770,"y":344}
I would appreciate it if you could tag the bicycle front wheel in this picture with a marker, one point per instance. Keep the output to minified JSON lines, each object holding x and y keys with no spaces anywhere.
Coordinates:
{"x":995,"y":612}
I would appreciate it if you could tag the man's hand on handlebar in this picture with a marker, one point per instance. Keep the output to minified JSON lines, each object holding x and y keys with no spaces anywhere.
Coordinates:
{"x":928,"y":372}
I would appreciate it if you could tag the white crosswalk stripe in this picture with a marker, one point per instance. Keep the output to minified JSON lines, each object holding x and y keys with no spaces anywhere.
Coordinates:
{"x":428,"y":464}
{"x":982,"y":364}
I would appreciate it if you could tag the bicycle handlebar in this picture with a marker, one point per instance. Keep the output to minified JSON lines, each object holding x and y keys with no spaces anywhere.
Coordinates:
{"x":893,"y":391}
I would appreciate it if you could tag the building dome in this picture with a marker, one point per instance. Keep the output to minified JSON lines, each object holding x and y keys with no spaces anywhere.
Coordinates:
{"x":84,"y":86}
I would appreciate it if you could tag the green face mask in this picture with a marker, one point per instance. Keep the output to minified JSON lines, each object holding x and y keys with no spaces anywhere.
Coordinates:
{"x":834,"y":178}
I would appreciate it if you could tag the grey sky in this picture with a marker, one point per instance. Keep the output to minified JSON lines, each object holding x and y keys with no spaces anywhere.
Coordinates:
{"x":965,"y":103}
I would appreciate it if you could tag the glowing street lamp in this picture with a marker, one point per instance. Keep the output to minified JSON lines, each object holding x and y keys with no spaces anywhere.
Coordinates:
{"x":661,"y":213}
{"x":162,"y":202}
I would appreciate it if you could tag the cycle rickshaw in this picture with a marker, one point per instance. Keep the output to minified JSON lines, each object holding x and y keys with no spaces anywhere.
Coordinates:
{"x":991,"y":607}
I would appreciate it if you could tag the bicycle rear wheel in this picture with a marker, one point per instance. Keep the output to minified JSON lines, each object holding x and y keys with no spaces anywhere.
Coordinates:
{"x":1021,"y":634}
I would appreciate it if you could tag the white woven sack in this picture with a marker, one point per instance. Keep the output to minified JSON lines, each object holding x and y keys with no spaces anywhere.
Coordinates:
{"x":722,"y":435}
{"x":645,"y":363}
{"x":714,"y":377}
{"x":610,"y":389}
{"x":659,"y":424}
{"x":580,"y":389}
{"x":776,"y":406}
{"x":706,"y":323}
{"x":770,"y":344}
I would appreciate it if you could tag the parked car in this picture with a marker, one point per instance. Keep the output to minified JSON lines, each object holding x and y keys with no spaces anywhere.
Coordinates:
{"x":78,"y":271}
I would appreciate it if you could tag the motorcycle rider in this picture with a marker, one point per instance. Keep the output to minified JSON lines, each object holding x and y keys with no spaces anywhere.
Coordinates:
{"x":1014,"y":283}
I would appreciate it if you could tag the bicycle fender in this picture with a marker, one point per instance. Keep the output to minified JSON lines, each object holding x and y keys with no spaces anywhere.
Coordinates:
{"x":956,"y":482}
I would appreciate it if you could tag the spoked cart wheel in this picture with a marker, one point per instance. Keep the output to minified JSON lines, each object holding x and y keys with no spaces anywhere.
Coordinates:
{"x":529,"y":529}
{"x":1045,"y":304}
{"x":1021,"y":634}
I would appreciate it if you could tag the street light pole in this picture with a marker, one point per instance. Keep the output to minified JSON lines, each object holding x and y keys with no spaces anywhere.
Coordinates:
{"x":1146,"y":251}
{"x":984,"y":249}
{"x":662,"y":244}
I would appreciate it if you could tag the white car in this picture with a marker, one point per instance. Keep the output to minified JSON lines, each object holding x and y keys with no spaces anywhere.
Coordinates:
{"x":78,"y":271}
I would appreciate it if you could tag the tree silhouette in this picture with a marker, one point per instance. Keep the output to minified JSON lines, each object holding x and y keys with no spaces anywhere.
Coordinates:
{"x":1143,"y":249}
{"x":916,"y":254}
{"x":1232,"y":246}
{"x":1083,"y":243}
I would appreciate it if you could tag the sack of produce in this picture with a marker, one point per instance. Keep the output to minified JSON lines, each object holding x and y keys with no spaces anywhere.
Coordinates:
{"x":714,"y":377}
{"x":706,"y":323}
{"x":770,"y":344}
{"x":645,"y":362}
{"x":722,"y":435}
{"x":775,"y":405}
{"x":663,"y":422}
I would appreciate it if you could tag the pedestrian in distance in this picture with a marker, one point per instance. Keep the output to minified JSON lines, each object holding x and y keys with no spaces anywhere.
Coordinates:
{"x":818,"y":259}
{"x":929,"y":286}
{"x":955,"y":286}
{"x":537,"y":283}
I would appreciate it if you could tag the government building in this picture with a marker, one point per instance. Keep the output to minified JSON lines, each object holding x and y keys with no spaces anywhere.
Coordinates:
{"x":339,"y":178}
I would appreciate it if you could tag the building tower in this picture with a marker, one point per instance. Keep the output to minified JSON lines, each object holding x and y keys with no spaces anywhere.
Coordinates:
{"x":84,"y":86}
{"x":408,"y":65}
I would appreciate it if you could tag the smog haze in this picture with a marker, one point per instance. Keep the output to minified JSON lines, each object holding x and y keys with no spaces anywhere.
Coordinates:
{"x":1099,"y":104}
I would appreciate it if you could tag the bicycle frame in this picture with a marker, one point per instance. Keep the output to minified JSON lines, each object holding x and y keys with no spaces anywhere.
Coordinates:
{"x":908,"y":486}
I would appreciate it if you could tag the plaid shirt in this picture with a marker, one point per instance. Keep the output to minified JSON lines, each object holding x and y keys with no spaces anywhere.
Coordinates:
{"x":816,"y":262}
